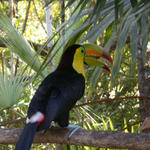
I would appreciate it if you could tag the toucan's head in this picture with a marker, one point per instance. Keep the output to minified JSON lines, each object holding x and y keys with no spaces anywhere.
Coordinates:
{"x":77,"y":55}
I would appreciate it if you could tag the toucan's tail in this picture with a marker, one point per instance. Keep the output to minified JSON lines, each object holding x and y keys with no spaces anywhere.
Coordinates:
{"x":27,"y":136}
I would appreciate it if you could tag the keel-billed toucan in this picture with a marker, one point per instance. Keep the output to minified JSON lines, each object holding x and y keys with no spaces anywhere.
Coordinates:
{"x":60,"y":90}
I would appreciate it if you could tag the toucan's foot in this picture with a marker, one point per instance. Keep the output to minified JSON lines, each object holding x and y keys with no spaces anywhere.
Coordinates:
{"x":43,"y":131}
{"x":73,"y":128}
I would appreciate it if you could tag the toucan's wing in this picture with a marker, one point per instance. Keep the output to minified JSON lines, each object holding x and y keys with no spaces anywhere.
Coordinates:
{"x":56,"y":95}
{"x":67,"y":89}
{"x":63,"y":120}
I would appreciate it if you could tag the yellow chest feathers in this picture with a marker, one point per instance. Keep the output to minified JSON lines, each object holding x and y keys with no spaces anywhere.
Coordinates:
{"x":78,"y":61}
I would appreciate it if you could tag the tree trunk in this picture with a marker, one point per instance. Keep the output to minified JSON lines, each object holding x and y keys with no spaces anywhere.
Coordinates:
{"x":49,"y":29}
{"x":11,"y":19}
{"x":144,"y":82}
{"x":26,"y":18}
{"x":48,"y":22}
{"x":63,"y":18}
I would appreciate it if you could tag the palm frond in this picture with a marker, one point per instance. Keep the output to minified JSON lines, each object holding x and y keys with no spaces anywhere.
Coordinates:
{"x":17,"y":43}
{"x":11,"y":89}
{"x":124,"y":14}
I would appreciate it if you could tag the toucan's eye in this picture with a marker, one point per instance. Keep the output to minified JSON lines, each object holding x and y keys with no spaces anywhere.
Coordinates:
{"x":82,"y":50}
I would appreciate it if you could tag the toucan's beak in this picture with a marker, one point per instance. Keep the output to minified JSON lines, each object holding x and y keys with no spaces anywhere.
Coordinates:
{"x":93,"y":53}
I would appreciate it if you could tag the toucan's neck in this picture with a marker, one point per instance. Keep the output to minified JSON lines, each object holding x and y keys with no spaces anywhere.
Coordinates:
{"x":71,"y":59}
{"x":65,"y":64}
{"x":78,"y":65}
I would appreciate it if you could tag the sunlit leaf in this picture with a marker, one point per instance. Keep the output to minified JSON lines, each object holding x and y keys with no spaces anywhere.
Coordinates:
{"x":11,"y":88}
{"x":144,"y":33}
{"x":16,"y":42}
{"x":134,"y":42}
{"x":118,"y":53}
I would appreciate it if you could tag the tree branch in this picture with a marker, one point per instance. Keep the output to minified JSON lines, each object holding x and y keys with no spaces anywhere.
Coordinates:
{"x":26,"y":18}
{"x":36,"y":11}
{"x":105,"y":100}
{"x":105,"y":139}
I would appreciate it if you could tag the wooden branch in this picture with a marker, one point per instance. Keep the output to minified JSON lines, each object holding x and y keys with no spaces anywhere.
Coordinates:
{"x":105,"y":139}
{"x":26,"y":18}
{"x":36,"y":11}
{"x":130,"y":125}
{"x":105,"y":100}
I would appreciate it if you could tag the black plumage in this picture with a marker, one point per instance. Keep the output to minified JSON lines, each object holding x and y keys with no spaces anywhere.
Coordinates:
{"x":58,"y":92}
{"x":56,"y":95}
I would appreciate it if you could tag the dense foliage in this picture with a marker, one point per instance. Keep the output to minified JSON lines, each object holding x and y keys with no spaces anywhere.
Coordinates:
{"x":118,"y":26}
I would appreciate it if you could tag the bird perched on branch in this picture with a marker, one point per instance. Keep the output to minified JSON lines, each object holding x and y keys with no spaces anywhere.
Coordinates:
{"x":60,"y":90}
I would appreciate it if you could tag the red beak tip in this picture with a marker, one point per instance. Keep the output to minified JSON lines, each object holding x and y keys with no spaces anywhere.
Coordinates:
{"x":107,"y":68}
{"x":111,"y":61}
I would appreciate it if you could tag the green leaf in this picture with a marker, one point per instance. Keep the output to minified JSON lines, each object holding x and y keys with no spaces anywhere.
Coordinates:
{"x":100,"y":4}
{"x":16,"y":43}
{"x":98,"y":29}
{"x":111,"y":40}
{"x":94,"y":79}
{"x":144,"y":33}
{"x":118,"y":53}
{"x":116,"y":11}
{"x":70,"y":3}
{"x":78,"y":5}
{"x":134,"y":42}
{"x":77,"y":33}
{"x":133,"y":3}
{"x":11,"y":88}
{"x":108,"y":33}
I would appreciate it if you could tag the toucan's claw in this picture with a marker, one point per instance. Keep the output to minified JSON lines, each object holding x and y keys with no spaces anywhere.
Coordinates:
{"x":73,"y":128}
{"x":106,"y":68}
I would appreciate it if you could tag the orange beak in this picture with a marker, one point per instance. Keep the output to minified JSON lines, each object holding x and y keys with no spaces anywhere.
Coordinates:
{"x":92,"y":55}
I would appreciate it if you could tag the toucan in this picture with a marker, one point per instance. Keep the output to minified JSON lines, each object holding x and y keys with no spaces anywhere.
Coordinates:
{"x":60,"y":90}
